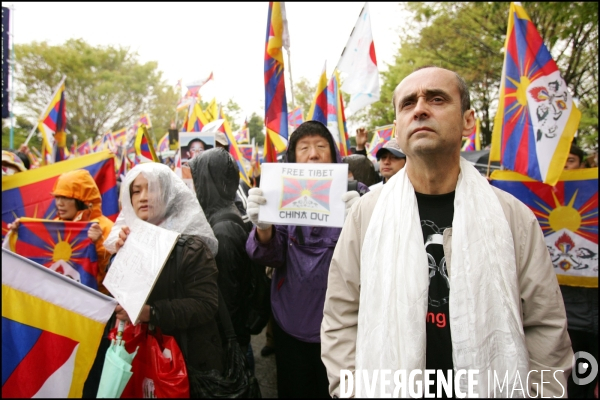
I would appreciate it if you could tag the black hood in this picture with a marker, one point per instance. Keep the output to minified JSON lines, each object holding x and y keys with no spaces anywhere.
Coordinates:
{"x":362,"y":168}
{"x":310,"y":128}
{"x":216,"y":178}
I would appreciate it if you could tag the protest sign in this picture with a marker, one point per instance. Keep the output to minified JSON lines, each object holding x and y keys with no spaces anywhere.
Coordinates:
{"x":190,"y":145}
{"x":304,"y":194}
{"x":138,"y":264}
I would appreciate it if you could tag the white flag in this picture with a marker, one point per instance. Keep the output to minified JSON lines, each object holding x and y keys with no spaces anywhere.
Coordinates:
{"x":359,"y":62}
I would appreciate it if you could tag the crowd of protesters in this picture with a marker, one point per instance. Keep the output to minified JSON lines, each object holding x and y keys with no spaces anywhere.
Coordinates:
{"x":348,"y":298}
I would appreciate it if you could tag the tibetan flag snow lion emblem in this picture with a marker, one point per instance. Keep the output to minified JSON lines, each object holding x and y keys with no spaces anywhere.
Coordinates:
{"x":305,"y":195}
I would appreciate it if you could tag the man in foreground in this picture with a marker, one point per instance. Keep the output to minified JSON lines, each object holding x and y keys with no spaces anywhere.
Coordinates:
{"x":437,"y":270}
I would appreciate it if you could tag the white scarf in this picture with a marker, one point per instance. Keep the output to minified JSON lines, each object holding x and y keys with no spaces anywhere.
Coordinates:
{"x":485,"y":323}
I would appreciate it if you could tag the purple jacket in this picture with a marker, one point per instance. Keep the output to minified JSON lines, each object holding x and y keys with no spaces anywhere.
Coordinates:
{"x":300,"y":277}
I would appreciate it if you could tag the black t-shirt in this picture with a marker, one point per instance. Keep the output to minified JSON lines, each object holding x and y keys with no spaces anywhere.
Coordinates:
{"x":436,"y":213}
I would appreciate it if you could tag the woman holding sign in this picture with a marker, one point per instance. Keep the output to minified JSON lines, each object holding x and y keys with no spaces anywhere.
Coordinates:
{"x":184,"y":299}
{"x":300,"y":256}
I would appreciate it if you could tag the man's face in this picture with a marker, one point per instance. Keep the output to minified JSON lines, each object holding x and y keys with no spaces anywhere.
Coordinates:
{"x":573,"y":162}
{"x":390,"y":164}
{"x":313,"y":149}
{"x":429,"y":120}
{"x":195,"y":149}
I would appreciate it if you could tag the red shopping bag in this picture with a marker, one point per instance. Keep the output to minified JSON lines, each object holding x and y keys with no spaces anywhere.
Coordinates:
{"x":158,"y":368}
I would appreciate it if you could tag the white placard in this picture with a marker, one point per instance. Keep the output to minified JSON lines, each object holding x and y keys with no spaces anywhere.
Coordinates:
{"x":303,"y":194}
{"x":138,"y":264}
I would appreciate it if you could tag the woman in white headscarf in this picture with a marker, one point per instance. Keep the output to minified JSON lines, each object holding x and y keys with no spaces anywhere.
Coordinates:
{"x":184,"y":300}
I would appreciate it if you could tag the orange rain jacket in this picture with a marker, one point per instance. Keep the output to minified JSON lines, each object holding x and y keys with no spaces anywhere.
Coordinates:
{"x":80,"y":185}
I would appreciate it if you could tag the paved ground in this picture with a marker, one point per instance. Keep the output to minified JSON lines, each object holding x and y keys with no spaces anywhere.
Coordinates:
{"x":265,"y":370}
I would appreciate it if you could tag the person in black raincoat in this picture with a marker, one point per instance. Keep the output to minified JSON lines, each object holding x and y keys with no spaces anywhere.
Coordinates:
{"x":216,"y":178}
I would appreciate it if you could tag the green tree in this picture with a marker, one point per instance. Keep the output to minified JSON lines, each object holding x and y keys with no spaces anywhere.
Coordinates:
{"x":256,"y":125}
{"x":304,"y":92}
{"x":20,"y":132}
{"x":469,"y":38}
{"x":106,"y":88}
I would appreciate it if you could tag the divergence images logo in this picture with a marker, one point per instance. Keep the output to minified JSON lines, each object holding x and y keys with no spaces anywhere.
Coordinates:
{"x":584,"y":364}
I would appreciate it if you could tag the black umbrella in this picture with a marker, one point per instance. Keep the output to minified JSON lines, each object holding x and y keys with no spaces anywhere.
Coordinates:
{"x":480,"y":160}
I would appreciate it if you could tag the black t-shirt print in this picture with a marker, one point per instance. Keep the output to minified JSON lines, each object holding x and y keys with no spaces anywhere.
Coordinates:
{"x":436,"y":213}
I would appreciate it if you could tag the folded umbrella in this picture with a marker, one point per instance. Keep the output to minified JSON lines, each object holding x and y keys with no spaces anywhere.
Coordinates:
{"x":117,"y":367}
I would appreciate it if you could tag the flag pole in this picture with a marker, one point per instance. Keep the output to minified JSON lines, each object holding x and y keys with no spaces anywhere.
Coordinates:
{"x":291,"y":81}
{"x":64,"y":77}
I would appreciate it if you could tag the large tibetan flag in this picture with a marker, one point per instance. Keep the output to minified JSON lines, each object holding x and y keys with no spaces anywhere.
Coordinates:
{"x":536,"y":118}
{"x":62,"y":246}
{"x":359,"y":63}
{"x":27,"y":194}
{"x":318,"y":107}
{"x":473,"y":141}
{"x":52,"y":123}
{"x":381,"y":136}
{"x":276,"y":121}
{"x":51,"y":329}
{"x":295,"y":118}
{"x":144,"y":148}
{"x":336,"y":119}
{"x":568,"y":216}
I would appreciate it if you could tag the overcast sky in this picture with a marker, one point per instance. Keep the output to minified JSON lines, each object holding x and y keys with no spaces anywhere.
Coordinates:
{"x":189,"y":40}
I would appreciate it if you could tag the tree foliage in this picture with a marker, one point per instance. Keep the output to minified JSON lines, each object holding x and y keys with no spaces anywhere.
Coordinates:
{"x":107,"y":88}
{"x":469,"y":39}
{"x":256,"y":125}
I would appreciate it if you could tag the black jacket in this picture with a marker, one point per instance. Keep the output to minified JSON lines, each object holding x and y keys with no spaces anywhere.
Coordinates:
{"x":216,"y":178}
{"x":196,"y":310}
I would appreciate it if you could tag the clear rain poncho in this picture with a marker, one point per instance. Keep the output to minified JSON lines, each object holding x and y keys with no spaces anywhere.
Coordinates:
{"x":173,"y":206}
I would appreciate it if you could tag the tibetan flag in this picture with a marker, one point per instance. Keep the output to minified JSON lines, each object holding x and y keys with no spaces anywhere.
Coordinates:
{"x":359,"y":64}
{"x":192,"y":93}
{"x":276,"y":121}
{"x":52,"y":124}
{"x":295,"y":118}
{"x":163,"y":143}
{"x":536,"y":118}
{"x":381,"y":136}
{"x":144,"y":148}
{"x":27,"y":194}
{"x":305,"y":195}
{"x":195,"y":119}
{"x":473,"y":141}
{"x":212,"y":111}
{"x":85,"y":148}
{"x":318,"y":107}
{"x":568,"y":216}
{"x":336,"y":119}
{"x":223,"y":126}
{"x":243,"y":135}
{"x":97,"y":146}
{"x":62,"y":246}
{"x":255,"y":161}
{"x":51,"y":329}
{"x":145,"y":120}
{"x":120,"y":136}
{"x":246,"y":151}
